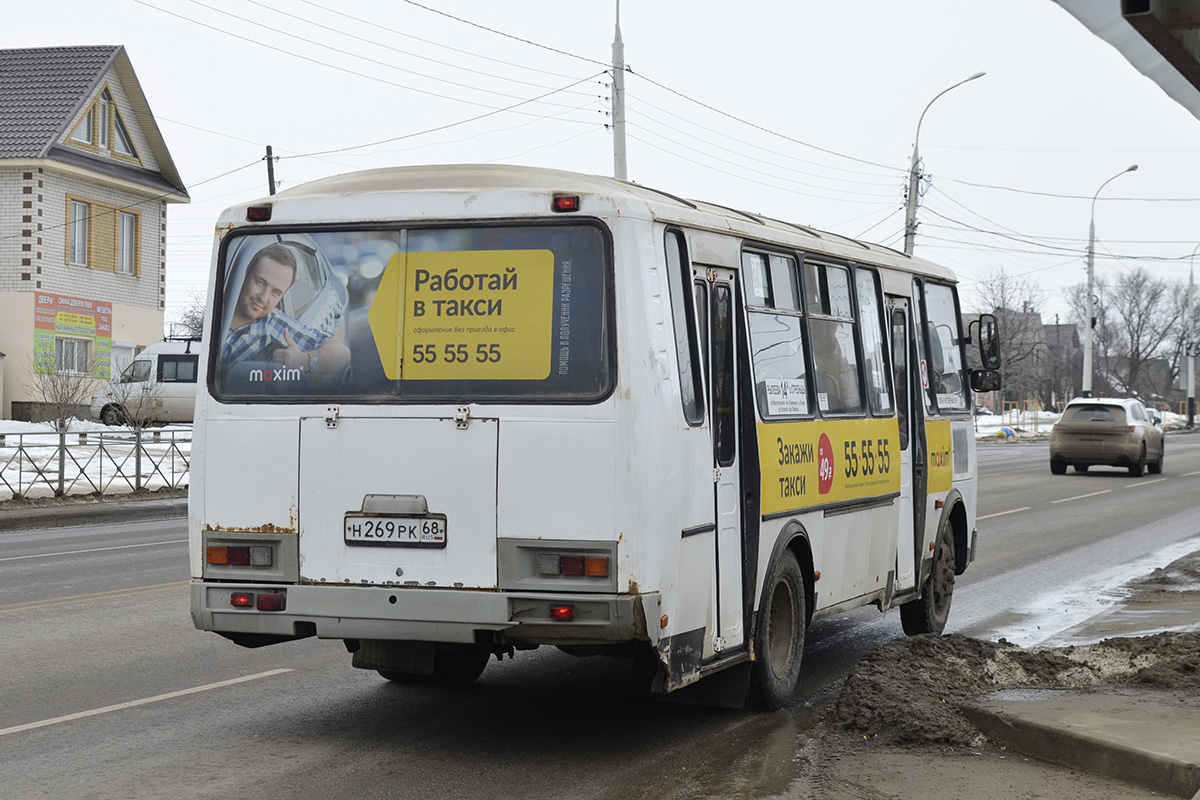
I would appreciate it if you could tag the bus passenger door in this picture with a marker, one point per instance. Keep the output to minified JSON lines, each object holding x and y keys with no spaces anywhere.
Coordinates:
{"x":726,"y":467}
{"x":912,"y":461}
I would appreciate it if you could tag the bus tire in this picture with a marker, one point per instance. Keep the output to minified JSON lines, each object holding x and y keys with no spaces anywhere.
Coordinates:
{"x":459,"y":666}
{"x":929,"y":613}
{"x":779,"y":640}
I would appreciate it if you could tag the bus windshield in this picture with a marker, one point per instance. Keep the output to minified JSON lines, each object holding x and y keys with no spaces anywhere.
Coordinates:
{"x":393,"y":314}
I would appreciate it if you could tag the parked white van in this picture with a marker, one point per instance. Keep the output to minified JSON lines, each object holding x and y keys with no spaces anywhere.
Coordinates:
{"x":159,"y":385}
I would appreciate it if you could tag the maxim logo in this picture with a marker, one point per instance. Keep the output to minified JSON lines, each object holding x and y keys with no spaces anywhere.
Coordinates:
{"x":281,"y":374}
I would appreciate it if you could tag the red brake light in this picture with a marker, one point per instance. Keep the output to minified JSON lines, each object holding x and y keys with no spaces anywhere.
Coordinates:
{"x":562,"y":613}
{"x":572,"y":565}
{"x":565,"y":202}
{"x":270,"y":601}
{"x":242,"y":599}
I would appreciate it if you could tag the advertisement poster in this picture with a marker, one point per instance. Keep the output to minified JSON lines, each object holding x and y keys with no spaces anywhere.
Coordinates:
{"x":76,"y":318}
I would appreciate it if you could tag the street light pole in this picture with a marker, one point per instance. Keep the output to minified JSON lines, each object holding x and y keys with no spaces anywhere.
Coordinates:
{"x":914,"y":174}
{"x":1089,"y":322}
{"x":1190,"y":344}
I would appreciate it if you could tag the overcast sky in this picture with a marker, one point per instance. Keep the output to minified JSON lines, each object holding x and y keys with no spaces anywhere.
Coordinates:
{"x":803,"y":111}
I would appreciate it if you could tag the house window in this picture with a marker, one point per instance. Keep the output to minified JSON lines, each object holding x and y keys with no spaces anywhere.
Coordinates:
{"x":83,"y":131}
{"x":79,"y":233}
{"x":102,"y":110}
{"x":123,"y":143}
{"x":127,"y":249}
{"x":71,"y":356}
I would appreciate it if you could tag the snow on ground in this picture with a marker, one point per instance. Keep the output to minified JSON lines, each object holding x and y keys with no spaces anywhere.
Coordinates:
{"x":1032,"y":424}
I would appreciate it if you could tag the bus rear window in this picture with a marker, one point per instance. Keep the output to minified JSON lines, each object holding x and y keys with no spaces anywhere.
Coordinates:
{"x":488,"y":314}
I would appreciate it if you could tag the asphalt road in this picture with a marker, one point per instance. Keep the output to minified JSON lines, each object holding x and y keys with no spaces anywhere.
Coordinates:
{"x":106,"y":689}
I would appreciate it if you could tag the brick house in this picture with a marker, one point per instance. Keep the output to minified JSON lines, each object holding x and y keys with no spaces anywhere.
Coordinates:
{"x":85,"y":179}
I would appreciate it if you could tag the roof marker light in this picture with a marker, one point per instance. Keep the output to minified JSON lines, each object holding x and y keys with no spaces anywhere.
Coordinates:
{"x":258,"y":213}
{"x":565,"y":202}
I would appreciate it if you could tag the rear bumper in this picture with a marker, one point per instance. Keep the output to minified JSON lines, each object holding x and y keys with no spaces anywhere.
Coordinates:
{"x":416,"y":614}
{"x":1113,"y":453}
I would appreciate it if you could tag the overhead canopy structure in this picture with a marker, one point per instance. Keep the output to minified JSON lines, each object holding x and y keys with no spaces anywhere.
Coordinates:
{"x":1161,"y":38}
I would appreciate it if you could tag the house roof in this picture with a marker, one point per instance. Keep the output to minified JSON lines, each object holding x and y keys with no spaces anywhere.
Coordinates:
{"x":1061,"y":335}
{"x":41,"y":91}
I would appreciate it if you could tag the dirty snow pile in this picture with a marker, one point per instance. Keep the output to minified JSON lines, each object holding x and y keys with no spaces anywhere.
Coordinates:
{"x":910,"y":691}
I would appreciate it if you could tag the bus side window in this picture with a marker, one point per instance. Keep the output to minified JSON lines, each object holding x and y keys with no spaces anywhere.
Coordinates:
{"x":831,"y":327}
{"x":874,"y":350}
{"x":679,"y":276}
{"x":900,"y":365}
{"x":724,"y":410}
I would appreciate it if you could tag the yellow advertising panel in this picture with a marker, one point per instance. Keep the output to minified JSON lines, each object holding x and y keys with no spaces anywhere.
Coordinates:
{"x":827,"y":461}
{"x":465,"y":315}
{"x":941,"y":456}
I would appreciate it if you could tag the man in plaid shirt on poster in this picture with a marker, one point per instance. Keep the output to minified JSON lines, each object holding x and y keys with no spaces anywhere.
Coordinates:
{"x":260,"y":332}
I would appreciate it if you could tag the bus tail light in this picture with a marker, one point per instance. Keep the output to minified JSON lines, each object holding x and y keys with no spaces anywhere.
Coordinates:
{"x":562,"y":613}
{"x":571,"y":565}
{"x":240,"y":556}
{"x":270,"y":601}
{"x":263,"y":601}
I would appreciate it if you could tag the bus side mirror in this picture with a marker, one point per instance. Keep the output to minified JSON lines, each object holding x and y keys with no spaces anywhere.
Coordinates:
{"x":987,"y":334}
{"x":985,"y":380}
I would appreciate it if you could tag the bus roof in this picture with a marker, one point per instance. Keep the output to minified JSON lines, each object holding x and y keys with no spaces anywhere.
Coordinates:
{"x":630,"y":198}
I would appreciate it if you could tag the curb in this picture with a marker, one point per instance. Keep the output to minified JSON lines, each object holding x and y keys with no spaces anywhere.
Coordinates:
{"x":66,"y":516}
{"x":1072,"y":745}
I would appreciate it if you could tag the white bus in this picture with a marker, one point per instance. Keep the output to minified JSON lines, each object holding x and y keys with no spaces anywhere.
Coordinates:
{"x":541,"y":408}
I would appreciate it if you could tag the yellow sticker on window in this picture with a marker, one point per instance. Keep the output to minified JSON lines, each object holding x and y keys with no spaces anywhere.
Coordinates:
{"x":465,"y":315}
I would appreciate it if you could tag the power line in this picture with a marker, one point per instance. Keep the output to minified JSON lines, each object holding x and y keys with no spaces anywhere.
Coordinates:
{"x":506,"y":35}
{"x":441,"y":127}
{"x":354,"y":55}
{"x":380,"y":26}
{"x":323,"y":63}
{"x":375,"y":43}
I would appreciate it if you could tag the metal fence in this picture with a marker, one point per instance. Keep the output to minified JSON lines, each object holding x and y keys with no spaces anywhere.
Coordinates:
{"x":92,"y":462}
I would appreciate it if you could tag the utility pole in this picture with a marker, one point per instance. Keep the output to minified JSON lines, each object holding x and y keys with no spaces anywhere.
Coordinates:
{"x":270,"y":171}
{"x":914,"y":174}
{"x":620,"y":169}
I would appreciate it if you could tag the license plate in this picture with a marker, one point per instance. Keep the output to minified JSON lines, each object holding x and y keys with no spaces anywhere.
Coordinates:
{"x":395,"y":531}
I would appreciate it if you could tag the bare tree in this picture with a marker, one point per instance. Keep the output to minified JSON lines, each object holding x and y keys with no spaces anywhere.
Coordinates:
{"x":1137,"y":338}
{"x":133,"y":403}
{"x":1017,"y":304}
{"x":190,"y":320}
{"x":62,"y":394}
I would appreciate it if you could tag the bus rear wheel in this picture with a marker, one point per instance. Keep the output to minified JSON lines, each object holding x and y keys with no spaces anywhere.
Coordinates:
{"x":779,"y":640}
{"x":453,"y":665}
{"x":929,"y":613}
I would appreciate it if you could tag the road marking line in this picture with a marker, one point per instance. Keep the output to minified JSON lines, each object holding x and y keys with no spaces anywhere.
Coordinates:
{"x":95,"y":550}
{"x":1012,"y":472}
{"x":1079,"y":497}
{"x":1140,"y":484}
{"x":1002,"y":513}
{"x":1189,"y":474}
{"x":82,"y":598}
{"x":134,"y":703}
